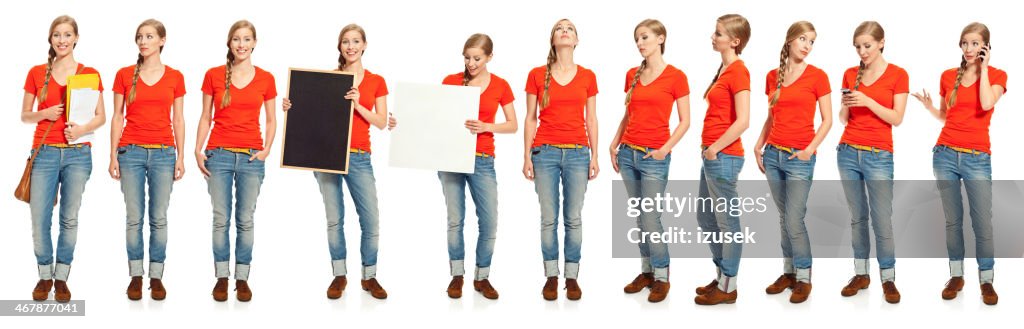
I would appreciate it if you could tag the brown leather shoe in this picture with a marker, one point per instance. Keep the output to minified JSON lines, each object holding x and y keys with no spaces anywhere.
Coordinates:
{"x":455,"y":287}
{"x":374,"y":288}
{"x":134,"y":291}
{"x":857,"y":283}
{"x":784,"y":282}
{"x":953,"y":287}
{"x":156,"y":289}
{"x":242,"y":291}
{"x":572,"y":290}
{"x":708,"y":288}
{"x":42,"y":290}
{"x":716,"y":296}
{"x":220,"y":290}
{"x":892,"y":296}
{"x":988,"y":294}
{"x":801,"y":290}
{"x":337,"y":287}
{"x":485,"y":288}
{"x":659,"y":290}
{"x":550,"y":290}
{"x":644,"y":280}
{"x":60,"y":291}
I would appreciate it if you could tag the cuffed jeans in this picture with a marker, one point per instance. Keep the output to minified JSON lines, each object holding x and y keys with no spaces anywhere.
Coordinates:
{"x":64,"y":171}
{"x":572,"y":168}
{"x":228,"y":169}
{"x":362,"y":186}
{"x":646,"y":178}
{"x":790,"y":183}
{"x":975,"y":170}
{"x":867,"y":178}
{"x":138,"y":167}
{"x":483,"y":187}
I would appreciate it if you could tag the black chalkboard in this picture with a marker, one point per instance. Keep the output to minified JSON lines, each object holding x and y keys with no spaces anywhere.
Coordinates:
{"x":317,"y":128}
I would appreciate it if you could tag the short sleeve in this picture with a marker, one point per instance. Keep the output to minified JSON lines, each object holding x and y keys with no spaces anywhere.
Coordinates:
{"x":902,"y":85}
{"x":680,"y":87}
{"x":739,"y":81}
{"x":382,"y":90}
{"x":822,"y":87}
{"x":629,"y":79}
{"x":118,"y":86}
{"x":30,"y":83}
{"x":769,"y":81}
{"x":591,"y":84}
{"x":531,"y":82}
{"x":506,"y":94}
{"x":945,"y":83}
{"x":998,"y":79}
{"x":179,"y":86}
{"x":271,"y":91}
{"x":99,"y":78}
{"x":846,"y":79}
{"x":208,"y":83}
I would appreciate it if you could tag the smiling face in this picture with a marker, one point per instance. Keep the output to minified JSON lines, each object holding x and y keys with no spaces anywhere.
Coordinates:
{"x":868,"y":48}
{"x":972,"y":44}
{"x":647,"y":41}
{"x":800,"y":47}
{"x":476,"y":60}
{"x":564,"y":34}
{"x":352,"y":45}
{"x":721,"y":40}
{"x":242,"y":42}
{"x":63,"y":38}
{"x":149,"y":40}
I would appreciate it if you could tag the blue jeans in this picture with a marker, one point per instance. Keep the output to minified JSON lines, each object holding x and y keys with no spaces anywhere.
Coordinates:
{"x":790,"y":183}
{"x":139,"y":165}
{"x":483,"y":187}
{"x":572,"y":167}
{"x":867,"y":178}
{"x":718,"y":180}
{"x":976,"y":172}
{"x":227,"y":170}
{"x":64,"y":171}
{"x":646,"y":178}
{"x":362,"y":186}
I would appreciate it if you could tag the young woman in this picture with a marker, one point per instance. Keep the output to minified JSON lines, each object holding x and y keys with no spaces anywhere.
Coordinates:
{"x":788,"y":160}
{"x":143,"y":144}
{"x":483,"y":185}
{"x":62,"y":166}
{"x":640,"y":150}
{"x":234,"y":157}
{"x":963,"y":152}
{"x":875,"y":103}
{"x":728,"y":115}
{"x":370,"y":110}
{"x":559,"y":149}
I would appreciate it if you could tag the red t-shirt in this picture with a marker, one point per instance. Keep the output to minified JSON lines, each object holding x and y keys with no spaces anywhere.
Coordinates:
{"x":966,"y":122}
{"x":793,"y":114}
{"x":722,"y":106}
{"x":563,"y":120}
{"x":56,"y":91}
{"x":864,"y":127}
{"x":238,"y":124}
{"x":497,"y":94}
{"x":651,"y":106}
{"x":370,"y":88}
{"x":148,"y":118}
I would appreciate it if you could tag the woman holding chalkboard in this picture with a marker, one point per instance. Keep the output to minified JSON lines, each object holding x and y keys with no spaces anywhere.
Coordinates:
{"x":559,"y":149}
{"x":371,"y":109}
{"x":483,"y":185}
{"x":234,"y":157}
{"x":143,"y":145}
{"x":60,"y":167}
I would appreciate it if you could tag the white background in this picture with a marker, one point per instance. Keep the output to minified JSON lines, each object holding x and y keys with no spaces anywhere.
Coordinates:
{"x":422,"y":42}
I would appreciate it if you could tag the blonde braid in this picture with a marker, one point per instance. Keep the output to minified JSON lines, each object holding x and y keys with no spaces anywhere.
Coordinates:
{"x":46,"y":80}
{"x":135,"y":80}
{"x":465,"y":77}
{"x":546,"y":98}
{"x":780,"y":75}
{"x":227,"y":81}
{"x":719,"y":72}
{"x":636,"y":78}
{"x":956,"y":85}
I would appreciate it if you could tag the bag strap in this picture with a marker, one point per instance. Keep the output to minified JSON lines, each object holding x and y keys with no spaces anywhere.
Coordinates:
{"x":36,"y":152}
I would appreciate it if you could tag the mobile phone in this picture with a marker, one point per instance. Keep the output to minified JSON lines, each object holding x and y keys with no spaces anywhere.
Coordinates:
{"x":845,"y":91}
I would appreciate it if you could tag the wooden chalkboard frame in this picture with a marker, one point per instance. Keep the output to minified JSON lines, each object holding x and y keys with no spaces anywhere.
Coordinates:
{"x":347,"y":129}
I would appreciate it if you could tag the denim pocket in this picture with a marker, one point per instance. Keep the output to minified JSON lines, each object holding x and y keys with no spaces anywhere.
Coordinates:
{"x":122,"y":149}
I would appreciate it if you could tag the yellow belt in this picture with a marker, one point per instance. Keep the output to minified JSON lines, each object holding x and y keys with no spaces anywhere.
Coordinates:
{"x":65,"y":145}
{"x":238,"y":150}
{"x":566,"y":146}
{"x":783,"y":148}
{"x":865,"y":148}
{"x":636,"y":147}
{"x":483,"y":155}
{"x":153,"y":146}
{"x":963,"y":150}
{"x":355,"y":150}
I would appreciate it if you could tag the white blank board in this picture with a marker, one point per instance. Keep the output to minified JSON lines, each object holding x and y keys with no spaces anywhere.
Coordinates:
{"x":431,"y":132}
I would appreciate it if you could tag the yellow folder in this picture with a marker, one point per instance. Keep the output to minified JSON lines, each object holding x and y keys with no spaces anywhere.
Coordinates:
{"x":79,"y":81}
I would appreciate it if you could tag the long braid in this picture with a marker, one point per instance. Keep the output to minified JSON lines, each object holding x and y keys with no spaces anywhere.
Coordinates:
{"x":135,"y":79}
{"x":49,"y":71}
{"x":780,"y":75}
{"x":636,"y":78}
{"x":719,"y":72}
{"x":465,"y":77}
{"x":227,"y":81}
{"x":956,"y":85}
{"x":546,"y":98}
{"x":860,"y":75}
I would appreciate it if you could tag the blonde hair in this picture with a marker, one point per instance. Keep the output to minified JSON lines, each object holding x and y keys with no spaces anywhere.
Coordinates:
{"x":738,"y":28}
{"x":478,"y":40}
{"x":794,"y":32}
{"x":658,"y":29}
{"x":985,"y":35}
{"x":63,"y":19}
{"x":242,"y":24}
{"x":552,"y":57}
{"x":341,"y":54}
{"x":162,"y":32}
{"x":869,"y":28}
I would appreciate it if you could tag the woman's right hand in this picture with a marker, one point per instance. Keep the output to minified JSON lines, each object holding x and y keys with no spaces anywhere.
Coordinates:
{"x":201,"y":161}
{"x":114,"y":169}
{"x":528,"y":169}
{"x":286,"y":104}
{"x":52,"y":113}
{"x":614,"y":152}
{"x":392,"y":122}
{"x":759,"y":156}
